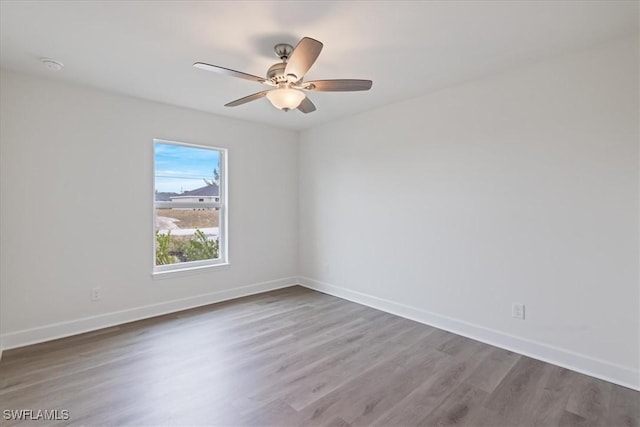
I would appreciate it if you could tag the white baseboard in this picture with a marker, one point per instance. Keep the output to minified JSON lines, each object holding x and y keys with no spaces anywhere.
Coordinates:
{"x":607,"y":371}
{"x":73,"y":327}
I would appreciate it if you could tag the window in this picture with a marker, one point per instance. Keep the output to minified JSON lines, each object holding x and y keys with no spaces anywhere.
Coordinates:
{"x":189,"y":206}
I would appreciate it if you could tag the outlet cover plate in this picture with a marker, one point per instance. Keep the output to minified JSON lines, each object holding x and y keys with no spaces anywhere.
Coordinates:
{"x":517,"y":311}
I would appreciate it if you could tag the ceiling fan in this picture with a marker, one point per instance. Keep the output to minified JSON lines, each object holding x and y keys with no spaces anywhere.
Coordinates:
{"x":286,"y":78}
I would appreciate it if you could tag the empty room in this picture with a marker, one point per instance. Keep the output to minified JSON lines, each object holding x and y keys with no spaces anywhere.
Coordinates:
{"x":320,"y":213}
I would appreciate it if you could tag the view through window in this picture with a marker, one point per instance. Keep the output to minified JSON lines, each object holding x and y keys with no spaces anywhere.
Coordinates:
{"x":189,"y":205}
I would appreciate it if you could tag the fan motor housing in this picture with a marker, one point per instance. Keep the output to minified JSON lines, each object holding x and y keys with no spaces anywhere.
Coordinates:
{"x":276,"y":73}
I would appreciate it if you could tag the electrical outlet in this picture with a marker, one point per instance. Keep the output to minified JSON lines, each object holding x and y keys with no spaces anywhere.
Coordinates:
{"x":517,"y":311}
{"x":96,"y":293}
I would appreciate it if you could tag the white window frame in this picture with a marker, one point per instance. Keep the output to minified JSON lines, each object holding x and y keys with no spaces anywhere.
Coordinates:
{"x":222,"y":214}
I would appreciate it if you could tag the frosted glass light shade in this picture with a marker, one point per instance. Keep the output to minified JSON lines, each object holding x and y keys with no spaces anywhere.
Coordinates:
{"x":285,"y":98}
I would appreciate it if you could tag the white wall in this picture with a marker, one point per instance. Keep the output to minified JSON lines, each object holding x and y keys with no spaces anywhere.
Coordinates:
{"x":520,"y":187}
{"x":76,"y":197}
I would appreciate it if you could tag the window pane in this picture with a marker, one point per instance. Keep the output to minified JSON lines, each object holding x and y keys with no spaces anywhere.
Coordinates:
{"x":184,"y":235}
{"x":186,"y":174}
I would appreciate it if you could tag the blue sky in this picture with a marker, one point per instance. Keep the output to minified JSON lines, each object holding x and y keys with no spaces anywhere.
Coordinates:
{"x":179,"y":168}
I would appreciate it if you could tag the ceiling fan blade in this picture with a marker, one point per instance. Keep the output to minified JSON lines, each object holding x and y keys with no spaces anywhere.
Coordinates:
{"x":247,"y":99}
{"x":228,"y":72}
{"x":302,"y":58}
{"x":339,"y":85}
{"x":306,"y":106}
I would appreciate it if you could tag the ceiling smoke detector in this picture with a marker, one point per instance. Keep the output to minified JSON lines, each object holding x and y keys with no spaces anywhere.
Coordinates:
{"x":52,"y":64}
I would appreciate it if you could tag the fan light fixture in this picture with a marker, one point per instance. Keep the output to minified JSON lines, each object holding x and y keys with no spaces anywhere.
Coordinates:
{"x":286,"y":78}
{"x":285,"y":98}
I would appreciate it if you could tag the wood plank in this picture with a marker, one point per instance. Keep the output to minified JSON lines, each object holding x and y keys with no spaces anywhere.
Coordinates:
{"x":511,"y":397}
{"x":624,"y":408}
{"x":459,"y":409}
{"x":590,"y":399}
{"x":492,"y":370}
{"x":372,"y":393}
{"x":338,"y":369}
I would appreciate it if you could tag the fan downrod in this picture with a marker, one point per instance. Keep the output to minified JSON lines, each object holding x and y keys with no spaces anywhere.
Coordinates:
{"x":283,"y":50}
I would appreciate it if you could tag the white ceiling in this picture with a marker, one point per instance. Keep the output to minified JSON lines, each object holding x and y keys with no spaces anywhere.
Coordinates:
{"x":146,"y":49}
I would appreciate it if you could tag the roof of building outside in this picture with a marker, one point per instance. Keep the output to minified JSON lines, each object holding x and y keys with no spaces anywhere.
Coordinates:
{"x":208,"y":190}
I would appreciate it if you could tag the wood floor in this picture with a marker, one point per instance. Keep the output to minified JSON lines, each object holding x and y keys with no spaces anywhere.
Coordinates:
{"x":296,"y":357}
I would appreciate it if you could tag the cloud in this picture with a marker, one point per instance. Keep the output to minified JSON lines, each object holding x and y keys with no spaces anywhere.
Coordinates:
{"x":180,"y":168}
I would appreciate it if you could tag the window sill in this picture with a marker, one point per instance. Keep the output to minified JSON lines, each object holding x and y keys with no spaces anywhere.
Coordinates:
{"x":188,"y":271}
